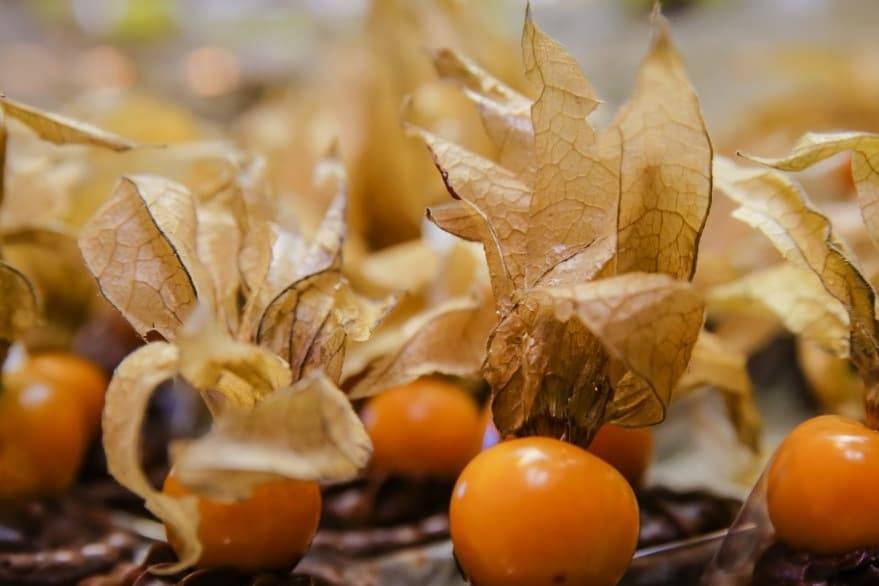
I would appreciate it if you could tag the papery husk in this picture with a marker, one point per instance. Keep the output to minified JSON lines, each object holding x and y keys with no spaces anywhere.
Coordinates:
{"x":391,"y":176}
{"x":776,"y":206}
{"x":62,"y":130}
{"x":714,"y":364}
{"x":439,"y":326}
{"x":233,"y":372}
{"x":406,"y":268}
{"x":309,"y":322}
{"x":306,"y":431}
{"x":448,"y":339}
{"x":629,"y":314}
{"x":833,"y":380}
{"x":263,"y":426}
{"x":792,"y":295}
{"x":275,"y":405}
{"x":495,"y":205}
{"x":34,"y":237}
{"x":864,"y":147}
{"x":141,"y":247}
{"x":20,"y":304}
{"x":53,"y":264}
{"x":218,"y":242}
{"x":124,"y":409}
{"x":570,"y":225}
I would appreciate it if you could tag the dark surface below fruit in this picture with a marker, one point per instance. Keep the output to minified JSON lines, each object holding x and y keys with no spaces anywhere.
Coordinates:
{"x":671,"y":548}
{"x":781,"y":566}
{"x":159,"y":554}
{"x":382,"y":514}
{"x":669,"y":515}
{"x":59,"y":542}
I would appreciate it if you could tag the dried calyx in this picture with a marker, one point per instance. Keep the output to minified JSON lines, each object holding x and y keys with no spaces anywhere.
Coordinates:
{"x":440,"y":327}
{"x":591,"y":239}
{"x":253,"y":316}
{"x":30,"y":271}
{"x":820,"y":292}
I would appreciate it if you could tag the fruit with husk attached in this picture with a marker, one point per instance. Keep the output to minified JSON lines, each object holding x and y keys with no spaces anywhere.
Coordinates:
{"x":257,"y":334}
{"x":48,"y":409}
{"x":821,"y":485}
{"x":591,"y":238}
{"x":538,"y":511}
{"x":822,"y":478}
{"x":270,"y":529}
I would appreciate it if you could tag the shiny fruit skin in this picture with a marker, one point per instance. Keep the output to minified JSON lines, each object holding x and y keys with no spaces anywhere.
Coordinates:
{"x":537,"y":511}
{"x":270,"y":530}
{"x":629,"y":450}
{"x":426,"y":428}
{"x":822,"y":486}
{"x":42,"y":438}
{"x":77,"y":376}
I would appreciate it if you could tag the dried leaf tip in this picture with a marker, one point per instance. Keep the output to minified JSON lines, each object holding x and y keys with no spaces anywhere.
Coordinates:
{"x":62,"y":130}
{"x":659,"y":23}
{"x":777,"y":206}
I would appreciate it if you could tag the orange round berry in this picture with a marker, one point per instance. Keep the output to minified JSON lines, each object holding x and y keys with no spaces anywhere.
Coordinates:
{"x":822,"y":486}
{"x":537,"y":511}
{"x":629,"y":450}
{"x":77,"y":376}
{"x":42,"y":438}
{"x":426,"y":428}
{"x":270,"y":530}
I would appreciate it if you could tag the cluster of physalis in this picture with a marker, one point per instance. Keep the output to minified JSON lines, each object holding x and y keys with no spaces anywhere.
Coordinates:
{"x":50,"y":400}
{"x":590,"y":238}
{"x":580,"y":318}
{"x":251,"y":315}
{"x":584,"y":328}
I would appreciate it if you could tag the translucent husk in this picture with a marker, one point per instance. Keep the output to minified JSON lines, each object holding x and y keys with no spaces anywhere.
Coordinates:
{"x":750,"y":534}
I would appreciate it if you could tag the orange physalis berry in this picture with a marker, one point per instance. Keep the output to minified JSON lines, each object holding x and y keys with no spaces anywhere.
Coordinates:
{"x":535,"y":511}
{"x":76,"y":376}
{"x":42,"y":437}
{"x":629,"y":450}
{"x":272,"y":529}
{"x":426,"y":428}
{"x":822,"y":486}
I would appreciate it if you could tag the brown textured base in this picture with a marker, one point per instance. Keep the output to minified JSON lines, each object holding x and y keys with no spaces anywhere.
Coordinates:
{"x":161,"y":553}
{"x":58,"y":543}
{"x":781,"y":566}
{"x":74,"y":541}
{"x":668,"y":515}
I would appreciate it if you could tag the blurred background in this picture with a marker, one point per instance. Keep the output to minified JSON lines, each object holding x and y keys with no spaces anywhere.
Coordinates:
{"x":218,"y":54}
